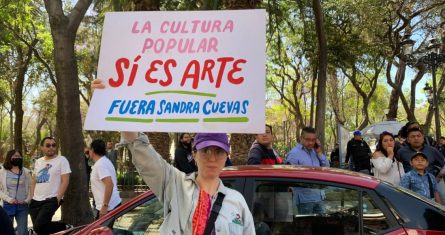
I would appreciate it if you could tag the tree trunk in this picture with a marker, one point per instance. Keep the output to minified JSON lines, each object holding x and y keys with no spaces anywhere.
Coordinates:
{"x":71,"y":138}
{"x":1,"y":123}
{"x":161,"y":143}
{"x":11,"y":129}
{"x":76,"y":209}
{"x":396,"y":89}
{"x":365,"y":112}
{"x":24,"y":58}
{"x":322,"y":71}
{"x":38,"y":135}
{"x":18,"y":99}
{"x":240,"y":144}
{"x":314,"y":80}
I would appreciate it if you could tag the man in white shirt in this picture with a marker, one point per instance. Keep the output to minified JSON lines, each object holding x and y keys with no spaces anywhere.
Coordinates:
{"x":51,"y":177}
{"x":103,"y":180}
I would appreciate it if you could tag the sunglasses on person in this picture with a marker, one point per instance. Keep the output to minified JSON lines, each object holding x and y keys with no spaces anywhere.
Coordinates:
{"x":50,"y":145}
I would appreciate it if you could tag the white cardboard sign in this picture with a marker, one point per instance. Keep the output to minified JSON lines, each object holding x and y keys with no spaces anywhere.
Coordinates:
{"x":192,"y":71}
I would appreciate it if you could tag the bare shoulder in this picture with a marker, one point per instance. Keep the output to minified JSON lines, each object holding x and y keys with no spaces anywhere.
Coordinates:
{"x":377,"y":154}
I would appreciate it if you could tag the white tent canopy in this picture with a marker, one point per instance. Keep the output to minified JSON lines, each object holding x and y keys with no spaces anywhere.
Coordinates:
{"x":374,"y":130}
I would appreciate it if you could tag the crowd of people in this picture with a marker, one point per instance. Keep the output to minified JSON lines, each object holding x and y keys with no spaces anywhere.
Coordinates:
{"x":40,"y":192}
{"x":411,"y":162}
{"x":195,"y":199}
{"x":409,"y":159}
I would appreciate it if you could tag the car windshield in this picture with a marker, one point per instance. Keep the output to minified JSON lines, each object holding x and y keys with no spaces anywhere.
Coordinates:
{"x":418,"y":196}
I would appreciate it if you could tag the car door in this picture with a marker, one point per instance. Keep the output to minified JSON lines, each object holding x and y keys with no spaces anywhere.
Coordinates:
{"x":146,"y":216}
{"x":288,"y":206}
{"x":143,"y":217}
{"x":237,"y":183}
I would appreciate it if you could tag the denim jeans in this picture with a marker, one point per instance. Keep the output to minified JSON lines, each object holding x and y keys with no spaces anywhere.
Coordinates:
{"x":21,"y":217}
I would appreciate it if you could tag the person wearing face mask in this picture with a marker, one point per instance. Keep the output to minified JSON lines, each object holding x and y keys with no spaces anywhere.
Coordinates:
{"x":15,"y":190}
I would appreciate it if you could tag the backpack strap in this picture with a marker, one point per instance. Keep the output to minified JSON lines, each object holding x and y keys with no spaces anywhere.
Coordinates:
{"x":214,"y":213}
{"x":431,"y":185}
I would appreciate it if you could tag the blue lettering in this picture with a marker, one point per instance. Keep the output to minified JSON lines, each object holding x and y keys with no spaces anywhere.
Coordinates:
{"x":236,"y":107}
{"x":244,"y":109}
{"x":206,"y":110}
{"x":176,"y":107}
{"x":230,"y":106}
{"x":151,"y":107}
{"x":188,"y":109}
{"x":124,"y":108}
{"x":196,"y":107}
{"x":142,"y":107}
{"x":114,"y":104}
{"x":215,"y":107}
{"x":133,"y":106}
{"x":168,"y":107}
{"x":162,"y":103}
{"x":222,"y":107}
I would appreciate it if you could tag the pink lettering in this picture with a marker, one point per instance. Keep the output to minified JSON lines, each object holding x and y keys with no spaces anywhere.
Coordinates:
{"x":147,"y":44}
{"x":195,"y":25}
{"x":147,"y":27}
{"x":135,"y":27}
{"x":216,"y":26}
{"x":164,"y":26}
{"x":213,"y":43}
{"x":228,"y":26}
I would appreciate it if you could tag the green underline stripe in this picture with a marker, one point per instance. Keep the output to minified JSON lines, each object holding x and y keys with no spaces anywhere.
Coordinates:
{"x":181,"y":92}
{"x":118,"y":119}
{"x":228,"y":119}
{"x":177,"y":120}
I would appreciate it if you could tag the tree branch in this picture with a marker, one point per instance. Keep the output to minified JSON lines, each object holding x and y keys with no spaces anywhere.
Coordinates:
{"x":77,"y":14}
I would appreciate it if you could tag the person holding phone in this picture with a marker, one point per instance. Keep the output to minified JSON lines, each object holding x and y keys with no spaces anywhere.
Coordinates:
{"x":308,"y":152}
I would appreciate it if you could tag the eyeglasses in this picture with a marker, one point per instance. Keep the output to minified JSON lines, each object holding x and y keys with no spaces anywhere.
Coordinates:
{"x":309,"y":139}
{"x":50,"y":145}
{"x":219,"y":153}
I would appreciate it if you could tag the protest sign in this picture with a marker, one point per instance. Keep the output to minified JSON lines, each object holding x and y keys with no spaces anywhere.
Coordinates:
{"x":192,"y":71}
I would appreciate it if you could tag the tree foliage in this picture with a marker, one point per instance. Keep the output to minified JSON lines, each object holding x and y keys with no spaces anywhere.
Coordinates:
{"x":366,"y":71}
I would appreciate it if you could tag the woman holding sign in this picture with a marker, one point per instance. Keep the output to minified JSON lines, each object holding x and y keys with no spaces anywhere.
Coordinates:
{"x":197,"y":203}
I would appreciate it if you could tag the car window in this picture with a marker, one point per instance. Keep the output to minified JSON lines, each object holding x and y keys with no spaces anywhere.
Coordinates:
{"x":412,"y":211}
{"x":311,"y":208}
{"x":145,"y":218}
{"x":374,"y":220}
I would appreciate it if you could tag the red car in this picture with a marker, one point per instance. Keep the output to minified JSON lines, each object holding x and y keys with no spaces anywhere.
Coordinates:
{"x":288,"y":199}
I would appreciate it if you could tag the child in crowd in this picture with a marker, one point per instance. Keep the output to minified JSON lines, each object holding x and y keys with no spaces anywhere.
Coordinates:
{"x":418,"y":180}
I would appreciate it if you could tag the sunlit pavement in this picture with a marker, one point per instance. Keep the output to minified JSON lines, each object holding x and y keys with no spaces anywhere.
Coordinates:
{"x":58,"y":215}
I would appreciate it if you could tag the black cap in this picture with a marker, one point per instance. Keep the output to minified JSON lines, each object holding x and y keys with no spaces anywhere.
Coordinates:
{"x":419,"y":154}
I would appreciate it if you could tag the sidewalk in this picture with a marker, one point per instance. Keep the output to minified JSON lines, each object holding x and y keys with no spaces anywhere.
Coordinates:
{"x":58,"y":215}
